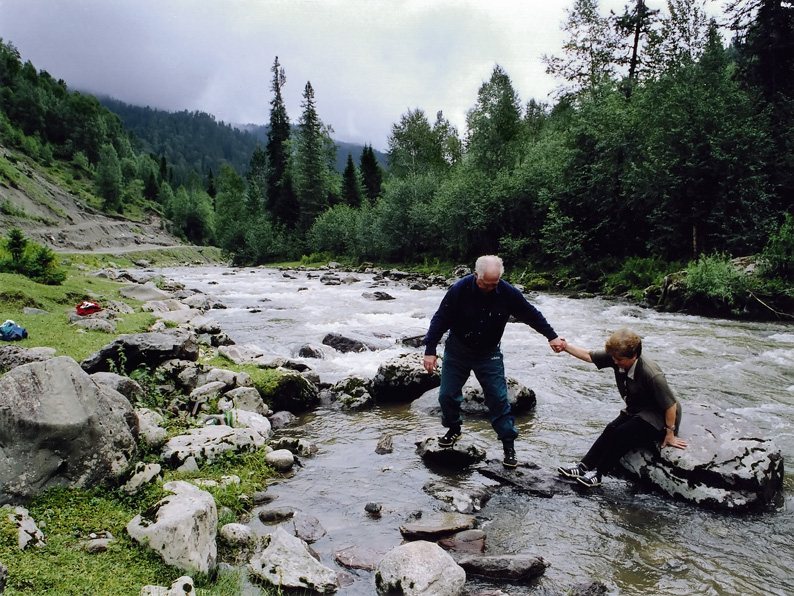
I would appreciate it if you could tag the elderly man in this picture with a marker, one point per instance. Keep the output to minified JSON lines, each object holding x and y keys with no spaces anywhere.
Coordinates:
{"x":475,"y":311}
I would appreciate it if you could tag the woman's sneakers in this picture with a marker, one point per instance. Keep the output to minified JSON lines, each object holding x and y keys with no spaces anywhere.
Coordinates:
{"x":573,"y":471}
{"x":449,"y":439}
{"x":590,"y":479}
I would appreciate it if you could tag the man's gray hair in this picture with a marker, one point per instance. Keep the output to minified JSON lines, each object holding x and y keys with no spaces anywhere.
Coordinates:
{"x":487,"y":261}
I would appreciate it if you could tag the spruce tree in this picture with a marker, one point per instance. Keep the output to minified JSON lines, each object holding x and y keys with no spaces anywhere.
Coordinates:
{"x":312,"y":162}
{"x":371,"y":173}
{"x":351,"y":188}
{"x":280,"y":199}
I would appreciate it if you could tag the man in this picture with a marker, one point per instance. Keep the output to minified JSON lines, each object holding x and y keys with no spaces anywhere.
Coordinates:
{"x":475,"y":311}
{"x":652,"y":413}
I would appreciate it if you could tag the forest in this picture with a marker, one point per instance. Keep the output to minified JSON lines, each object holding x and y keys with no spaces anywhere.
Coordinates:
{"x":669,"y":145}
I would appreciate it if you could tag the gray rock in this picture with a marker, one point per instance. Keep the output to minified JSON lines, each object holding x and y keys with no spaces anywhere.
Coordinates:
{"x":281,"y":419}
{"x":281,"y":459}
{"x":204,"y":444}
{"x":95,"y":324}
{"x":149,"y":427}
{"x":241,"y":354}
{"x":308,"y":527}
{"x":182,"y":586}
{"x":296,"y":446}
{"x":167,"y":305}
{"x":124,"y":385}
{"x":276,"y":514}
{"x":467,"y":541}
{"x":308,"y":351}
{"x":59,"y":428}
{"x":237,"y":535}
{"x":294,"y":392}
{"x":460,"y":500}
{"x":461,"y":455}
{"x":385,"y":444}
{"x":252,"y":420}
{"x":181,"y":528}
{"x":436,"y":526}
{"x":28,"y":533}
{"x":141,"y":475}
{"x":12,"y":356}
{"x":345,"y":344}
{"x":358,"y":557}
{"x":513,"y":568}
{"x":287,"y":563}
{"x":419,"y":569}
{"x":403,"y":379}
{"x":247,"y":398}
{"x":144,"y":292}
{"x":727,"y":464}
{"x":3,"y":577}
{"x":148,"y":349}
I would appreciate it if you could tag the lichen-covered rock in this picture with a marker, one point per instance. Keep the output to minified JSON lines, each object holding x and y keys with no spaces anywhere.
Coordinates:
{"x":727,"y":465}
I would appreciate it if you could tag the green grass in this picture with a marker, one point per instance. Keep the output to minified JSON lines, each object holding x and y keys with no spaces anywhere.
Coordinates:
{"x":54,"y":330}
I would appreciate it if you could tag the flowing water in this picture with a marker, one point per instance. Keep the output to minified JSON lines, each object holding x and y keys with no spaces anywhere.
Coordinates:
{"x":635,"y":541}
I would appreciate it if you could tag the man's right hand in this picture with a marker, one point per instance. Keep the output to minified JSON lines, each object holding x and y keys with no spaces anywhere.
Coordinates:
{"x":429,"y":363}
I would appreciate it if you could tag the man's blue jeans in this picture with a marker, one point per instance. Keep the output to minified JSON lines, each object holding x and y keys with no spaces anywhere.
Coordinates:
{"x":458,"y":363}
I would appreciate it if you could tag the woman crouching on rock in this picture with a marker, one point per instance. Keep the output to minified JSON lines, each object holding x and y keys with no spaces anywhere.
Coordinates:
{"x":652,"y":413}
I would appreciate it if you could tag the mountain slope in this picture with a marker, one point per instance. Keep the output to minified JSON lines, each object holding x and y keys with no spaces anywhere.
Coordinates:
{"x":33,"y":201}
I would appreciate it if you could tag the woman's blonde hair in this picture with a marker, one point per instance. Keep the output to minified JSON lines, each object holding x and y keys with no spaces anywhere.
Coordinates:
{"x":624,"y":344}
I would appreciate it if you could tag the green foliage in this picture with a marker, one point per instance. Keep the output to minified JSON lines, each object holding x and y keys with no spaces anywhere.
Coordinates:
{"x":637,"y":273}
{"x":30,"y":259}
{"x":714,"y":279}
{"x":778,"y":254}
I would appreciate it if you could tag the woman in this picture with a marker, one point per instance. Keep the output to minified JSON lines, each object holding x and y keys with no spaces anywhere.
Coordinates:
{"x":652,"y":413}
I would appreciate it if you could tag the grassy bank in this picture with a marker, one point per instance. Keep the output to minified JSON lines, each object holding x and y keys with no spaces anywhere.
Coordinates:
{"x":68,"y":517}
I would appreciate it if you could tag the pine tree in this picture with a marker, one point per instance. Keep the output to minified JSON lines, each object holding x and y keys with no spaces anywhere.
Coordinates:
{"x":312,"y":169}
{"x":371,"y":173}
{"x":108,"y":178}
{"x":280,"y":199}
{"x":351,"y":188}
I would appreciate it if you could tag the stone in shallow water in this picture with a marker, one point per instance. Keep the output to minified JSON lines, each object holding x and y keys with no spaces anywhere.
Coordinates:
{"x":727,"y":465}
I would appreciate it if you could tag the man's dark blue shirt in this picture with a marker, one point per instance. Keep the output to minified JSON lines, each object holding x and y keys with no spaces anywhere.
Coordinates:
{"x":478,"y":319}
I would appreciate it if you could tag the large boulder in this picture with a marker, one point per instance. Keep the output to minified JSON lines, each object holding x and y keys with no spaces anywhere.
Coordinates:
{"x":293,"y":392}
{"x":287,"y":563}
{"x":726,"y":465}
{"x":419,"y":569}
{"x":58,"y":428}
{"x":181,"y":527}
{"x":128,"y":352}
{"x":403,"y":379}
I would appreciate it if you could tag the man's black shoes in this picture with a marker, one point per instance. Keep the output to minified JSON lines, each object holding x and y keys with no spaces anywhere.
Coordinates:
{"x":449,"y":439}
{"x":510,"y":460}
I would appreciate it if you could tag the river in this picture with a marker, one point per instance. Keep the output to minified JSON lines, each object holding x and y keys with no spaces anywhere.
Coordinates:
{"x":635,"y":541}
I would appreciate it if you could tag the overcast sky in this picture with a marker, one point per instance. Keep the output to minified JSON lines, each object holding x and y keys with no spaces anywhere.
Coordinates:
{"x":369,"y":61}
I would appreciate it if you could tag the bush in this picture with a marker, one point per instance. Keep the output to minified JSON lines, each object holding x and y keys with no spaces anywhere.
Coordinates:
{"x":716,"y":280}
{"x":778,"y":255}
{"x":39,"y":263}
{"x":637,"y":273}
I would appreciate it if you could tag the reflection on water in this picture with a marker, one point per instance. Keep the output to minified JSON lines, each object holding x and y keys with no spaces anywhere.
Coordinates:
{"x":636,"y":542}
